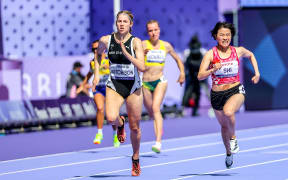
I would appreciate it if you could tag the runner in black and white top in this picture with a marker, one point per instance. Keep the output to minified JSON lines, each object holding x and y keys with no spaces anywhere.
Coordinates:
{"x":126,"y":58}
{"x":124,"y":77}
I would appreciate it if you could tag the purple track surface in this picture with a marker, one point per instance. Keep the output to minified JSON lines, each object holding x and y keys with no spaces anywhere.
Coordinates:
{"x":192,"y":148}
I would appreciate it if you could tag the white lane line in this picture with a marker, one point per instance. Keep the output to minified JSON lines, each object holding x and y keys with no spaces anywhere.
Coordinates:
{"x":145,"y":143}
{"x":239,"y":167}
{"x":145,"y":153}
{"x":184,"y":160}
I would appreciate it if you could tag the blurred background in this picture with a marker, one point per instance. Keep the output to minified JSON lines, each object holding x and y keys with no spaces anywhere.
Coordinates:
{"x":40,"y":40}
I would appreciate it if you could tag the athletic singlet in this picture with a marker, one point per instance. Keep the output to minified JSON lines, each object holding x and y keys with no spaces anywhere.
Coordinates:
{"x":155,"y":57}
{"x":104,"y":73}
{"x":124,"y":77}
{"x":229,"y":72}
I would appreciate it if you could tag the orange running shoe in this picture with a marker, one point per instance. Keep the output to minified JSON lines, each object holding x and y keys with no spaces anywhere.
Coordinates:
{"x":121,"y":134}
{"x":136,"y":171}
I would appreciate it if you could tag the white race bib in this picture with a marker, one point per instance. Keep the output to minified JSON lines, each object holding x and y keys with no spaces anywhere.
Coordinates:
{"x":228,"y":69}
{"x":122,"y":71}
{"x":156,"y":56}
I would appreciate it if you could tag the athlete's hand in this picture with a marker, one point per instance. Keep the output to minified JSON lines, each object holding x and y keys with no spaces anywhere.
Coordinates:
{"x":104,"y":66}
{"x":216,"y":65}
{"x":255,"y":79}
{"x":121,"y":42}
{"x":146,"y":51}
{"x":181,"y":79}
{"x":80,"y":89}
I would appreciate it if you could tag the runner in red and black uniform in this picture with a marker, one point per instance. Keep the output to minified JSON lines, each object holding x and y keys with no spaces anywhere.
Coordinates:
{"x":227,"y":94}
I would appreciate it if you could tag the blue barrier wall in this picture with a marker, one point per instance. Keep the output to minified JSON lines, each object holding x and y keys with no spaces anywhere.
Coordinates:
{"x":264,"y":31}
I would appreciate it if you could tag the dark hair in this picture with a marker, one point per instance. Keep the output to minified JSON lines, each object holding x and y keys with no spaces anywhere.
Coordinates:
{"x":194,"y":42}
{"x":93,"y":49}
{"x":220,"y":25}
{"x":77,"y":64}
{"x":97,"y":40}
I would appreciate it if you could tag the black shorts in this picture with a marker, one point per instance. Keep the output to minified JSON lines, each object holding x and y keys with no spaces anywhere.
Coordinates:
{"x":219,"y":98}
{"x":123,"y":87}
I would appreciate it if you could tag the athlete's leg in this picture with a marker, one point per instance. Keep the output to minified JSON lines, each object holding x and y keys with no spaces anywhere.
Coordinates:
{"x":99,"y":101}
{"x":158,"y":96}
{"x":148,"y":99}
{"x":226,"y":118}
{"x":134,"y":110}
{"x":225,"y":129}
{"x":113,"y":103}
{"x":232,"y":105}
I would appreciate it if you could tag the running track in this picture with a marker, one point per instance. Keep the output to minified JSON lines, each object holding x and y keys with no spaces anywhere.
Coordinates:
{"x":263,"y":155}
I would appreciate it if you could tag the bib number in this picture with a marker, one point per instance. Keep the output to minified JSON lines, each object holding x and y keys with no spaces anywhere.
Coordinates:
{"x":228,"y":69}
{"x":122,"y":71}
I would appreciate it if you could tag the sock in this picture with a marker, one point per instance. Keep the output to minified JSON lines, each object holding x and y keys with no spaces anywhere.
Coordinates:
{"x":100,"y":131}
{"x":135,"y":160}
{"x":114,"y":132}
{"x":158,"y":144}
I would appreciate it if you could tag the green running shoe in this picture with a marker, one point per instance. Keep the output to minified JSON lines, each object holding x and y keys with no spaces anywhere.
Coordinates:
{"x":156,"y":148}
{"x":98,"y":138}
{"x":116,"y":141}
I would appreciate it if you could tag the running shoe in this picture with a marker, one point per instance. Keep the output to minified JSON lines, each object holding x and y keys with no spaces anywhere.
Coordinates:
{"x":115,"y":141}
{"x":229,"y":161}
{"x":136,"y":171}
{"x":98,"y":138}
{"x":156,"y":148}
{"x":234,"y":148}
{"x":121,"y":134}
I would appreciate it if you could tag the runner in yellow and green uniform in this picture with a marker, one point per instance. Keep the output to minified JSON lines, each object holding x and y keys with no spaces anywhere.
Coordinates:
{"x":154,"y":83}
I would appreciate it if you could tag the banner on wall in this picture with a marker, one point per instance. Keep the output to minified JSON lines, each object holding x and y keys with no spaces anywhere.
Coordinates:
{"x":41,"y":112}
{"x":64,"y":109}
{"x":45,"y":78}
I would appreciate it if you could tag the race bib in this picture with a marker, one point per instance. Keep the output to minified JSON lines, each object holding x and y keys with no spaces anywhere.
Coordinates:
{"x":228,"y":69}
{"x":103,"y":80}
{"x":156,"y":56}
{"x":122,"y":71}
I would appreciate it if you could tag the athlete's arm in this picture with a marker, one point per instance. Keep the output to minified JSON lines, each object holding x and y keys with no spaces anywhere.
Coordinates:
{"x":144,"y":45}
{"x":180,"y":65}
{"x":138,"y":61}
{"x":243,"y":52}
{"x":84,"y":83}
{"x":204,"y":70}
{"x":97,"y":59}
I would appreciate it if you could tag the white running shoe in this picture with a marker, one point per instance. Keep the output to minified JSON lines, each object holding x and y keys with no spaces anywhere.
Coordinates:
{"x":234,"y":148}
{"x":229,"y":161}
{"x":156,"y":148}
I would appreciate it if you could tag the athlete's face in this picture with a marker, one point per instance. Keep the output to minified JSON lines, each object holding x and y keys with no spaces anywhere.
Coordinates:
{"x":123,"y":23}
{"x":94,"y":47}
{"x":153,"y":30}
{"x":223,"y":37}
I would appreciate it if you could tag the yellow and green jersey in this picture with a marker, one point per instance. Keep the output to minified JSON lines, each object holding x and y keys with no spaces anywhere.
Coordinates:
{"x":155,"y":57}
